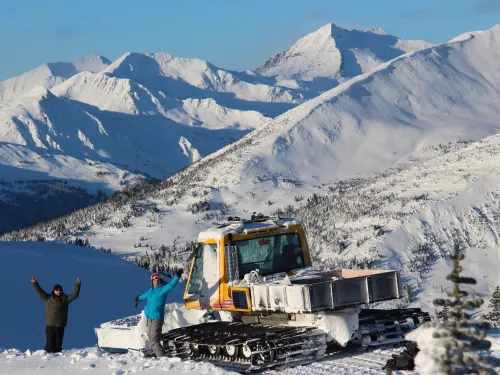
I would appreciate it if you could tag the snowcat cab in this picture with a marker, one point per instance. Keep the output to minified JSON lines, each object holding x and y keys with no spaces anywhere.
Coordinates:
{"x":226,"y":253}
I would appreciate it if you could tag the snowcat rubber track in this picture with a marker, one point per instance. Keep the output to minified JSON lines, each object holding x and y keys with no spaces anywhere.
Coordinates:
{"x":389,"y":327}
{"x":246,"y":347}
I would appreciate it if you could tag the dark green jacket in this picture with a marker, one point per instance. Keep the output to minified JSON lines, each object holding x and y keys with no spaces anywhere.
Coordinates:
{"x":56,"y":308}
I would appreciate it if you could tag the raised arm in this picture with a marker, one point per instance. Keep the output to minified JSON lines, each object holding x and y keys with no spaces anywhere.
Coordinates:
{"x":76,"y":291}
{"x":170,"y":285}
{"x":41,"y":293}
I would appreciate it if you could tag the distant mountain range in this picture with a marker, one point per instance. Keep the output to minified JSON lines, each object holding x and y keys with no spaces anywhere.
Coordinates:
{"x":384,"y":119}
{"x":104,"y":126}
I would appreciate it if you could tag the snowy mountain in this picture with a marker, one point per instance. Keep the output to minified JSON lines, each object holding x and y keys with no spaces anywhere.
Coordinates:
{"x":379,"y":120}
{"x":50,"y":74}
{"x":147,"y":114}
{"x":122,"y":126}
{"x":386,"y":170}
{"x":337,"y":53}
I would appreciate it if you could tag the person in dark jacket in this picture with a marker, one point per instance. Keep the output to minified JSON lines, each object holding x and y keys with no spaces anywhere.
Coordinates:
{"x":155,"y":308}
{"x":56,"y":313}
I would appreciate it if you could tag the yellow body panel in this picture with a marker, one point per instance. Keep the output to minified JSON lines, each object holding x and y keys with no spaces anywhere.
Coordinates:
{"x":221,"y":299}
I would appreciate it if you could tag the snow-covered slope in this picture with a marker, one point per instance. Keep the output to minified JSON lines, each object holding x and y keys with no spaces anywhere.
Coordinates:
{"x":109,"y":286}
{"x":152,"y":145}
{"x":338,"y":53}
{"x":187,"y":78}
{"x":147,"y":113}
{"x":378,"y":120}
{"x":50,"y":74}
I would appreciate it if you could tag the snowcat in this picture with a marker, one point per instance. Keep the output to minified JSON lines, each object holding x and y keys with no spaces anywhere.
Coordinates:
{"x":275,"y":309}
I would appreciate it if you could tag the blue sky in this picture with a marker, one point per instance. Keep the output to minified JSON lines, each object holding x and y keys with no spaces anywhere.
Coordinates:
{"x":233,"y":34}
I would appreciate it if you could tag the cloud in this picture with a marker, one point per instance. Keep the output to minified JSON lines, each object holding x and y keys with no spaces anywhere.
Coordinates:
{"x":486,"y":7}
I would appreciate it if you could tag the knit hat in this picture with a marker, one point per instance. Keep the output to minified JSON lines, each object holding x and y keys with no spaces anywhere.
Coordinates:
{"x":57,"y":286}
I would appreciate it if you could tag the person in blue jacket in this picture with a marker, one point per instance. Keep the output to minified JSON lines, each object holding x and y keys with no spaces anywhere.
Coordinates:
{"x":155,"y":308}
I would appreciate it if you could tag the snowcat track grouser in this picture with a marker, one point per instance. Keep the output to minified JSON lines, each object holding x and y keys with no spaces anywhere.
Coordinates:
{"x":275,"y":309}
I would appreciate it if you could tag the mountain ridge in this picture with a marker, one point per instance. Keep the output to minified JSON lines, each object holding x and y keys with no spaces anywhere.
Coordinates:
{"x":337,"y":53}
{"x":50,"y":74}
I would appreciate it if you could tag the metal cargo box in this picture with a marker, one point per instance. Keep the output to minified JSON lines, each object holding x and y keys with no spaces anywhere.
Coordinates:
{"x":355,"y":287}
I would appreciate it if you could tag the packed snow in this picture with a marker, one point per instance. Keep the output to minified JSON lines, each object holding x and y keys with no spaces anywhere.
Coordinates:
{"x":95,"y":361}
{"x":130,"y":332}
{"x":109,"y":287}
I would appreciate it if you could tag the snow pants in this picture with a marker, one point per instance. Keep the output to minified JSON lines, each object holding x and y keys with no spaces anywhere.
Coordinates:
{"x":153,"y":329}
{"x":53,"y":339}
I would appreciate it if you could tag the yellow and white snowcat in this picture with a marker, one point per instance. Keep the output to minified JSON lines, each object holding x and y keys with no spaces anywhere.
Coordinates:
{"x":276,"y":309}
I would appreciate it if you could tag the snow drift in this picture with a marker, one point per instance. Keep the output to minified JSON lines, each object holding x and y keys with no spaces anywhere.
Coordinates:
{"x":109,"y":286}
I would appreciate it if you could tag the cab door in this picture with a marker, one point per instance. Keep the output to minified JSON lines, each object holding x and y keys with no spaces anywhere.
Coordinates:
{"x":204,"y":278}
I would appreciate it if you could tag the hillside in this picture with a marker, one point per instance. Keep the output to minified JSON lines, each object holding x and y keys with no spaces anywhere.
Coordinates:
{"x":52,"y":264}
{"x":141,"y":115}
{"x":397,"y":113}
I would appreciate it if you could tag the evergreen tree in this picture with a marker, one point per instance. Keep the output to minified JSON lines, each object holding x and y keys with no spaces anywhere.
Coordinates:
{"x":494,"y":315}
{"x":463,"y":338}
{"x":443,"y":314}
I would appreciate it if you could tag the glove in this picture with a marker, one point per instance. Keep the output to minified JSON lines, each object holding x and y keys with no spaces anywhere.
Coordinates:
{"x":179,"y":272}
{"x":137,"y":300}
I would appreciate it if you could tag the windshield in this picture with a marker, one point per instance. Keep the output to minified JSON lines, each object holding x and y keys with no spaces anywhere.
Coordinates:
{"x":270,"y":254}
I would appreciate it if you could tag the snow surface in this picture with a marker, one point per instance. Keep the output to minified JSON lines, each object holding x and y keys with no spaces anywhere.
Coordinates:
{"x":131,"y":332}
{"x":109,"y":286}
{"x":132,"y":110}
{"x":50,"y":74}
{"x":337,"y":53}
{"x":92,"y":360}
{"x":393,"y":115}
{"x":373,"y":122}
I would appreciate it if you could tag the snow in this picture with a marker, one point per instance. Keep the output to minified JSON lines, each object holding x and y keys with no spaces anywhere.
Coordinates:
{"x":49,"y":75}
{"x":140,"y":98}
{"x":337,"y":53}
{"x":130,"y":332}
{"x":109,"y":285}
{"x":339,"y":326}
{"x":95,"y":361}
{"x":375,"y":121}
{"x":217,"y":233}
{"x":156,"y":113}
{"x":428,"y":359}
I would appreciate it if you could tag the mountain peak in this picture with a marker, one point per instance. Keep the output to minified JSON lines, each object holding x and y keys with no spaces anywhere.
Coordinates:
{"x":377,"y":30}
{"x":92,"y":62}
{"x":338,"y":53}
{"x":329,"y":30}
